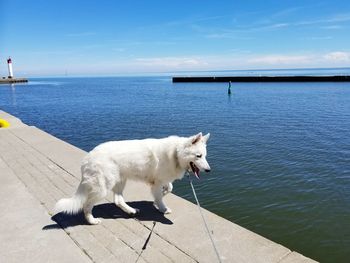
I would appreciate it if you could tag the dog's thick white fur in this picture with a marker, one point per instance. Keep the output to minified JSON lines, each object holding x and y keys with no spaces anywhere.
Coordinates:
{"x":157,"y":162}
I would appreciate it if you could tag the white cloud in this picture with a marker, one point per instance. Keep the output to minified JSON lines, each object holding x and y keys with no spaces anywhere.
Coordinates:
{"x":171,"y":62}
{"x":337,"y":56}
{"x":280,"y":59}
{"x":344,"y":17}
{"x":320,"y":38}
{"x":331,"y":27}
{"x":227,"y":35}
{"x":245,"y":60}
{"x":336,"y":18}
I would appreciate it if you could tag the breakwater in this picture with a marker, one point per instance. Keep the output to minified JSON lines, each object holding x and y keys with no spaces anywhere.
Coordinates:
{"x":13,"y":80}
{"x":339,"y":78}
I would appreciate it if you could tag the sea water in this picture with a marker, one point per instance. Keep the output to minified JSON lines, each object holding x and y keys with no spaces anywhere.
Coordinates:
{"x":279,"y":152}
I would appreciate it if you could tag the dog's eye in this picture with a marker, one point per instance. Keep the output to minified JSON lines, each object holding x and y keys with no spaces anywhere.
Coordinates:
{"x":199,"y":156}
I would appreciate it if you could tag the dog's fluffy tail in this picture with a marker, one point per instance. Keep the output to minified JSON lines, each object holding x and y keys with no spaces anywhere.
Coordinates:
{"x":72,"y":205}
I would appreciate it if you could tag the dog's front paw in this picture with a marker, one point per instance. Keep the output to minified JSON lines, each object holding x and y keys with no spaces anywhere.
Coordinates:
{"x":165,"y":210}
{"x":134,"y":212}
{"x":91,"y":219}
{"x":167,"y":188}
{"x":94,"y":221}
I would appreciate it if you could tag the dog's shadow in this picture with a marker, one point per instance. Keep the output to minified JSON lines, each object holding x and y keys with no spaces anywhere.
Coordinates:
{"x":110,"y":211}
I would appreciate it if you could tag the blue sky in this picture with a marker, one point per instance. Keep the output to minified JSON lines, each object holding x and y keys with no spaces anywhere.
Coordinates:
{"x":49,"y":38}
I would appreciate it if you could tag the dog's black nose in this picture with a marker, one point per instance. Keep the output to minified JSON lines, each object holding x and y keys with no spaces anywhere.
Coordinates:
{"x":207,"y":170}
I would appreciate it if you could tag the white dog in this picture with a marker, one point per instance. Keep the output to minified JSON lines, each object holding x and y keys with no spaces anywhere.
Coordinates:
{"x":157,"y":162}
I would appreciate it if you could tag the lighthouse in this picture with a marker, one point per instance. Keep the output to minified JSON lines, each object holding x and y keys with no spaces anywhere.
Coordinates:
{"x":9,"y":65}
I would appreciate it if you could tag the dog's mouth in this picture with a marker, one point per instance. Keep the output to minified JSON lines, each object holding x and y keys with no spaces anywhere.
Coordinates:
{"x":195,"y":169}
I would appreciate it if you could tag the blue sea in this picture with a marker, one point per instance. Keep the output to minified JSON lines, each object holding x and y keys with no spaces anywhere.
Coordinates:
{"x":279,"y":152}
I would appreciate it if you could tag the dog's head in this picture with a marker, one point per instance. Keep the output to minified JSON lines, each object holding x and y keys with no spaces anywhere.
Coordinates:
{"x":195,"y":152}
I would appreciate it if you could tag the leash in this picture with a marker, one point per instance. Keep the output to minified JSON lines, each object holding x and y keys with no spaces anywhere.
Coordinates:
{"x":146,"y":242}
{"x":205,"y":222}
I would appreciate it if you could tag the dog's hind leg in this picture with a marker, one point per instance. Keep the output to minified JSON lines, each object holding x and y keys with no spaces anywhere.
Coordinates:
{"x":119,"y":199}
{"x":89,"y":204}
{"x":88,"y":211}
{"x":157,"y":191}
{"x":93,"y":198}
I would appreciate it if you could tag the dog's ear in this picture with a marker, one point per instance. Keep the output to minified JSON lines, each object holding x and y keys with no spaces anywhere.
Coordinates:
{"x":196,"y":138}
{"x":205,"y":138}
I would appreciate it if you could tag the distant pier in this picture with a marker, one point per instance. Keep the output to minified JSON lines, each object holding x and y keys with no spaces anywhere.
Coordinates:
{"x":340,"y":78}
{"x":12,"y":80}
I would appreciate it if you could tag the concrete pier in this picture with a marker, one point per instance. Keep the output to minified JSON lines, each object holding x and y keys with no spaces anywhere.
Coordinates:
{"x":12,"y":80}
{"x":340,"y":78}
{"x":37,"y":169}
